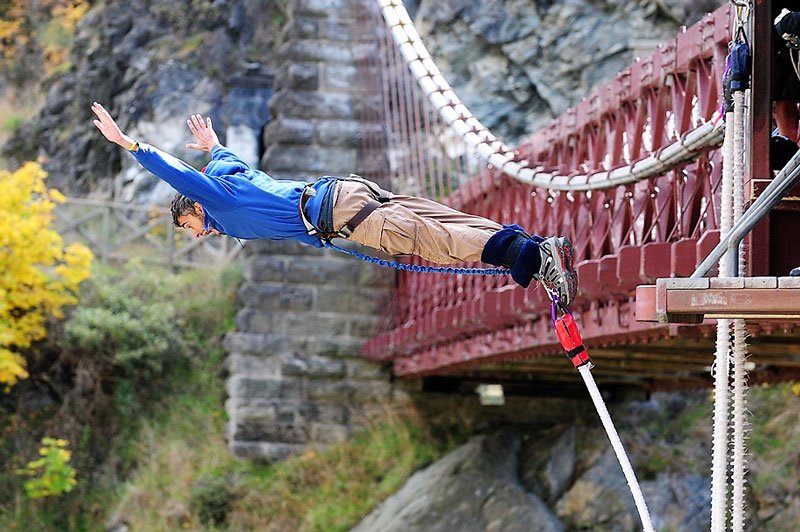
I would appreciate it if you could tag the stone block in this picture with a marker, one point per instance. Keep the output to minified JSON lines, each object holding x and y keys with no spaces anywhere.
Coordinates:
{"x":268,"y":296}
{"x":280,"y":247}
{"x":302,"y":76}
{"x":353,"y":392}
{"x":314,"y":160}
{"x":347,"y":78}
{"x":286,"y":130}
{"x":260,"y":322}
{"x":254,"y":343}
{"x":788,"y":282}
{"x":316,"y":50}
{"x":726,"y":282}
{"x":335,"y":346}
{"x":345,"y":132}
{"x":321,"y":271}
{"x":342,"y":30}
{"x":302,"y":27}
{"x":344,"y":77}
{"x":761,"y":282}
{"x":328,"y":433}
{"x":323,"y":324}
{"x":324,"y":413}
{"x":332,"y":298}
{"x":684,"y":283}
{"x":313,"y":367}
{"x":242,"y":387}
{"x":266,"y":268}
{"x":256,"y":428}
{"x":253,"y":365}
{"x":272,"y":452}
{"x":308,"y":105}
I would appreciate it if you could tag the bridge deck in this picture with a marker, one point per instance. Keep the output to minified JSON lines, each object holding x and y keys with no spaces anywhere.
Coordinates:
{"x":692,"y":300}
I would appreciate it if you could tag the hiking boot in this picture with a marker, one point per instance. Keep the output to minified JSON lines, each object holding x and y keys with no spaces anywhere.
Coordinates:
{"x":556,"y":272}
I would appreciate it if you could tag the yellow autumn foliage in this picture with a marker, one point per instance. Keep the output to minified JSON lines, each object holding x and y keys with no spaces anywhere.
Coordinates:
{"x":38,"y":275}
{"x":42,"y":26}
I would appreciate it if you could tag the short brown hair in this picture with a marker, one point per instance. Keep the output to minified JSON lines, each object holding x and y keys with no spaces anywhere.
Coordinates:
{"x":180,"y":206}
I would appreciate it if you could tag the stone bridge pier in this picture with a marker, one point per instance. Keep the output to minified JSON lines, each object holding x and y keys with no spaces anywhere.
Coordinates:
{"x":296,"y":376}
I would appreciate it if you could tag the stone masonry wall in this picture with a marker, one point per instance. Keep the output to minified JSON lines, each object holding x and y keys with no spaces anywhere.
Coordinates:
{"x":296,"y":376}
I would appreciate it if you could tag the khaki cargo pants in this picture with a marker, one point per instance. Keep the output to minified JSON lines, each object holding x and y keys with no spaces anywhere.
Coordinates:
{"x":407,"y":225}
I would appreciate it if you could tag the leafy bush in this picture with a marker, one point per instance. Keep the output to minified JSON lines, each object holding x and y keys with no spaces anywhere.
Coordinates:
{"x":212,"y":499}
{"x":51,"y":474}
{"x":38,"y":276}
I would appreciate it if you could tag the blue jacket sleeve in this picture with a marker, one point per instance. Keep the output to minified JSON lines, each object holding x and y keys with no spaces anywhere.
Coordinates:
{"x":207,"y":190}
{"x":221,"y":153}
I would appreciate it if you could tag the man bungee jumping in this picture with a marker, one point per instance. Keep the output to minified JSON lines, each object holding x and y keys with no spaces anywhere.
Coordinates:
{"x":228,"y":197}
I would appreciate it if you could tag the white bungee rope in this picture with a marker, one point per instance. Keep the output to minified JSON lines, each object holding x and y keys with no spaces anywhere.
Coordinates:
{"x":739,"y":343}
{"x":616,"y":444}
{"x":720,"y":369}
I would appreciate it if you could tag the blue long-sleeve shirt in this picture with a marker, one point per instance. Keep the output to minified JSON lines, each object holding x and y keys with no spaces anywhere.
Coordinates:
{"x":237,"y":200}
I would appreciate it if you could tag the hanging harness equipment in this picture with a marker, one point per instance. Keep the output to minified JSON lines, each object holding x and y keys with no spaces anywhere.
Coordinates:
{"x":381,"y":196}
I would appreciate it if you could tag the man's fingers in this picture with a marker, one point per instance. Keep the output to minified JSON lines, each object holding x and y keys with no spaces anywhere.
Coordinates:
{"x":208,"y":122}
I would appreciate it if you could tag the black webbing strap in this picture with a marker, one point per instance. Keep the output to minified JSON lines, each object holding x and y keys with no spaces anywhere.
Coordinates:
{"x":360,"y":216}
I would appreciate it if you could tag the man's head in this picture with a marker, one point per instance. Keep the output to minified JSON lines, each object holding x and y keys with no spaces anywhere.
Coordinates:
{"x":189,"y":215}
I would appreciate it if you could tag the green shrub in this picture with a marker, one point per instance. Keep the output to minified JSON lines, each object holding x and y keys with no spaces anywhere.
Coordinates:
{"x":211,"y":499}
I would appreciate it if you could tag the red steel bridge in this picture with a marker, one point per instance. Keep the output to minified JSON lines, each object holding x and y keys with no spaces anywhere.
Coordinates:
{"x":623,"y":175}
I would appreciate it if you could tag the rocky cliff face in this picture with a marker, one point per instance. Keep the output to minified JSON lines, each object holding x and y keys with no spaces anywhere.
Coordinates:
{"x":153,"y":63}
{"x":519,"y":63}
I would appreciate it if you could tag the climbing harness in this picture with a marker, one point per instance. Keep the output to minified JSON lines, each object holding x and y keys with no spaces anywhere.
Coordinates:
{"x":570,"y":338}
{"x":326,"y":234}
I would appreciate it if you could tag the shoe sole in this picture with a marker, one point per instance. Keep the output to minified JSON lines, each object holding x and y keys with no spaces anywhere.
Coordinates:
{"x":561,"y":248}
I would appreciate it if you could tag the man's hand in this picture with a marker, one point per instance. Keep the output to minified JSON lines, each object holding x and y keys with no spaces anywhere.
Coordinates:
{"x":109,"y":128}
{"x":203,"y":132}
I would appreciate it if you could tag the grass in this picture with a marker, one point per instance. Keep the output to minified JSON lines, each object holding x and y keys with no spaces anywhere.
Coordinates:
{"x":186,"y":478}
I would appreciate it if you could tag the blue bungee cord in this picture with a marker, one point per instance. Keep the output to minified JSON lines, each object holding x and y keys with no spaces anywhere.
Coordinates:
{"x":418,"y":268}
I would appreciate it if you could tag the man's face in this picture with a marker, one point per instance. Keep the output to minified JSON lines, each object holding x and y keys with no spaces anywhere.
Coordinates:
{"x":193,"y":222}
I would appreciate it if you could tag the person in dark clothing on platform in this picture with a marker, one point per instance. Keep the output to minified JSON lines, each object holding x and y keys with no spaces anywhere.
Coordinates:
{"x":228,"y":197}
{"x":786,"y":78}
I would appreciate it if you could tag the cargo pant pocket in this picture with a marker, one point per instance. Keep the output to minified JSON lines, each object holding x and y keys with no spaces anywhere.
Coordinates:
{"x":399,"y":236}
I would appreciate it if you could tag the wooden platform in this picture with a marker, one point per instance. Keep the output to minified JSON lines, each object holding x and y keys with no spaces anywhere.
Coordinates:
{"x":693,"y":300}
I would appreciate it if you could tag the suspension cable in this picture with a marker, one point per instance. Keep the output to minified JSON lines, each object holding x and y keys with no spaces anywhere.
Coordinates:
{"x":496,"y":153}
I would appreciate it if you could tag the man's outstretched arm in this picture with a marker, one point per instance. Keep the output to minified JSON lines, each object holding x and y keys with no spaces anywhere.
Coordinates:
{"x":206,"y":190}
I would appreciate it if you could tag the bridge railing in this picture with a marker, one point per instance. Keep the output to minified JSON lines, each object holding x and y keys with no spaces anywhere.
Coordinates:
{"x":118,"y":232}
{"x":624,"y":234}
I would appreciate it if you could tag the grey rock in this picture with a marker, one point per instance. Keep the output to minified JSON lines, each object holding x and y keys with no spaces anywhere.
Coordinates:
{"x":474,"y":487}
